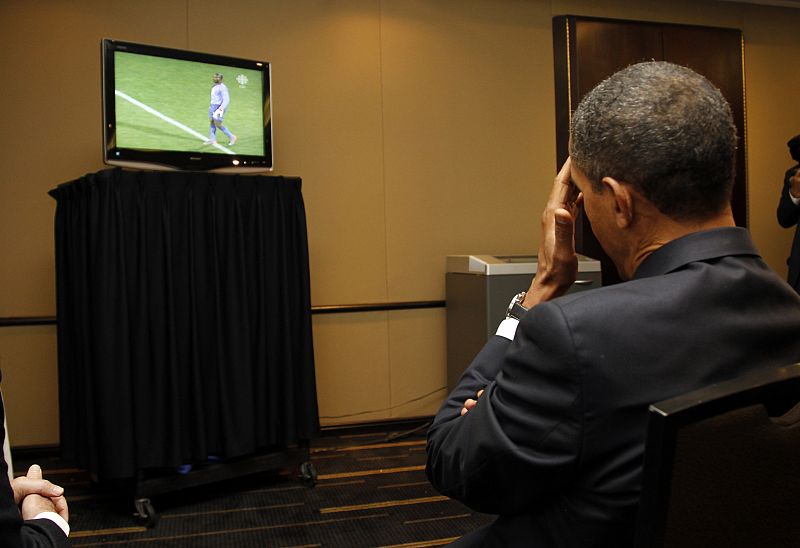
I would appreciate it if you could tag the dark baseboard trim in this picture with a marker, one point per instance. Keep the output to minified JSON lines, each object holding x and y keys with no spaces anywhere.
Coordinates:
{"x":27,"y":320}
{"x":376,"y":307}
{"x":382,"y":425}
{"x":410,"y":424}
{"x":18,"y":321}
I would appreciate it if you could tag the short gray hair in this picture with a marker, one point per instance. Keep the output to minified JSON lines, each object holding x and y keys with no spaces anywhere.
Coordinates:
{"x":664,"y":129}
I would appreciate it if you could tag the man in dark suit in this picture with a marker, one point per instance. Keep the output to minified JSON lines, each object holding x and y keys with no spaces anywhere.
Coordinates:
{"x":33,"y":511}
{"x":546,"y":428}
{"x":789,"y":211}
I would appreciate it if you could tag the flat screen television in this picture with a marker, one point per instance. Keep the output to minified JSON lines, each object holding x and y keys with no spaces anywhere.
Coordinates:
{"x":166,"y":108}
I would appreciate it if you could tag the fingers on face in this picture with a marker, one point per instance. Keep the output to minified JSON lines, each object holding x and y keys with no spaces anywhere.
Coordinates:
{"x":565,"y":167}
{"x":564,"y":192}
{"x":561,"y":184}
{"x":573,"y":196}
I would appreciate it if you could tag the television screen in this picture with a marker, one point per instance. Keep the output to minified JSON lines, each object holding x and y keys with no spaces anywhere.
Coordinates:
{"x":173,"y":109}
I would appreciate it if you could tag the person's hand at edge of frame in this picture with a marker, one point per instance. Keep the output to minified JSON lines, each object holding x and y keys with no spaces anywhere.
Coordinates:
{"x":35,"y":495}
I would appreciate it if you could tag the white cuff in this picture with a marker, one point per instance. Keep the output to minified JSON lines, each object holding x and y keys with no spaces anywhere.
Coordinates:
{"x":508,"y":328}
{"x":55,"y":518}
{"x":795,"y":201}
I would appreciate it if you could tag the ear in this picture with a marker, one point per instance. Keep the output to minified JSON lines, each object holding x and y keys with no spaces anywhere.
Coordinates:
{"x":622,"y":195}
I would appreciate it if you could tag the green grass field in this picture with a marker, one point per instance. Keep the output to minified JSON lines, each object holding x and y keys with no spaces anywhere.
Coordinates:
{"x":181,"y":91}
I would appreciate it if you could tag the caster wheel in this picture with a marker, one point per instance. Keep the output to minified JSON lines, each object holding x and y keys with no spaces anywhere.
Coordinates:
{"x":145,"y":512}
{"x":308,"y":474}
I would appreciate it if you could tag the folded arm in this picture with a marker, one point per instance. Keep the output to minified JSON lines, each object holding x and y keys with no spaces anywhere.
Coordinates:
{"x":518,"y":446}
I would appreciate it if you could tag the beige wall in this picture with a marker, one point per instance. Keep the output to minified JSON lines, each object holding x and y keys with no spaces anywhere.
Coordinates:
{"x":421,"y":128}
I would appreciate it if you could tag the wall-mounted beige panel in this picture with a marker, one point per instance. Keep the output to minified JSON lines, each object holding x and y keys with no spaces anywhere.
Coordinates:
{"x":352,"y":364}
{"x":417,"y":350}
{"x":30,"y":384}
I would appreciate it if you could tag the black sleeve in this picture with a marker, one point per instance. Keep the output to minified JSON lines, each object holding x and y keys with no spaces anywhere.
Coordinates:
{"x":519,"y":445}
{"x":44,"y":533}
{"x":788,"y":213}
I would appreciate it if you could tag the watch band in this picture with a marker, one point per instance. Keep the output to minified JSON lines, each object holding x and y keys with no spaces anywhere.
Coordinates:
{"x":515,"y":309}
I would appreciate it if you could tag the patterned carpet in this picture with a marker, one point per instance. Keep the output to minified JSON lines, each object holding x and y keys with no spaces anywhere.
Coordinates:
{"x":371,"y":491}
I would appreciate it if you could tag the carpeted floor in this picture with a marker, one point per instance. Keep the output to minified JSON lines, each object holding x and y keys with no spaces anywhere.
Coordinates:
{"x":371,"y":491}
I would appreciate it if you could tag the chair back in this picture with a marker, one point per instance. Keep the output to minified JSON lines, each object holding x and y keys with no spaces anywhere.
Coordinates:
{"x":722,"y":466}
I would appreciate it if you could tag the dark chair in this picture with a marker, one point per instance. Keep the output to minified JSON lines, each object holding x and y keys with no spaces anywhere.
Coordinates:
{"x":722,"y":466}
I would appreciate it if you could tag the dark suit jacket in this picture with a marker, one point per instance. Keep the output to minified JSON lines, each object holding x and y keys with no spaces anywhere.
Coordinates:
{"x":555,"y":444}
{"x":788,"y":215}
{"x":14,"y":532}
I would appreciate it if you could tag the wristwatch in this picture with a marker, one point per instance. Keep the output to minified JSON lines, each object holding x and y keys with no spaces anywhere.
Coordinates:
{"x":515,"y":309}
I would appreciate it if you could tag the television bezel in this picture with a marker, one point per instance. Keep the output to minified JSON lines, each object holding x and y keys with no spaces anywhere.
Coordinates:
{"x":159,"y":159}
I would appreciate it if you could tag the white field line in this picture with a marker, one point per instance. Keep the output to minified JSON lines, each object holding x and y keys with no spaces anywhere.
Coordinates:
{"x":169,"y":120}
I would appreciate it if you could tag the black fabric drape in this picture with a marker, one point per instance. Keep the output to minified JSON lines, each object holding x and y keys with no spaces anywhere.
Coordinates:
{"x":184,"y":318}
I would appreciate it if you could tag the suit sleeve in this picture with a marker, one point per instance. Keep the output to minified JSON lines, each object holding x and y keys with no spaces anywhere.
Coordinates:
{"x":787,"y":213}
{"x":14,"y":532}
{"x":518,"y":446}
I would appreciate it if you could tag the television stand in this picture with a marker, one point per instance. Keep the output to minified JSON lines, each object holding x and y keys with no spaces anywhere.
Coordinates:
{"x":184,"y":329}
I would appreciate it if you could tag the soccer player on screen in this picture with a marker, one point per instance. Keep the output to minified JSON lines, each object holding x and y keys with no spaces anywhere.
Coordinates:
{"x":216,"y":112}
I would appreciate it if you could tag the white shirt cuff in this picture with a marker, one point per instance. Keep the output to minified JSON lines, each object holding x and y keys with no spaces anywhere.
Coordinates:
{"x":55,"y":518}
{"x":508,"y":328}
{"x":795,"y":201}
